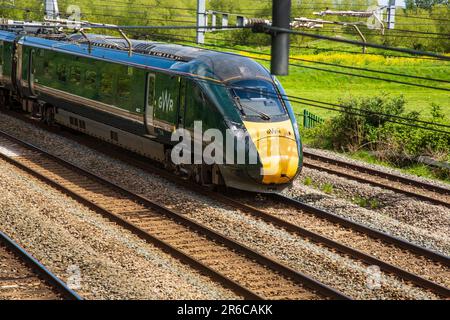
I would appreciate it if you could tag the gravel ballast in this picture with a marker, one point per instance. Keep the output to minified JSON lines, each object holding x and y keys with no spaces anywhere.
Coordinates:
{"x":343,"y":157}
{"x":71,"y":241}
{"x":340,"y":272}
{"x":416,"y":221}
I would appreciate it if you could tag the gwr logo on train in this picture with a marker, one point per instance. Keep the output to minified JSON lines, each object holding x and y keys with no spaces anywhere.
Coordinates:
{"x":165,"y":102}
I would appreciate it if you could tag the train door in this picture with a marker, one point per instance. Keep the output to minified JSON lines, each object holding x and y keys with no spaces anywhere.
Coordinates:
{"x":7,"y":63}
{"x":25,"y":70}
{"x":150,"y":103}
{"x":31,"y":72}
{"x":1,"y":62}
{"x":181,"y":115}
{"x":16,"y":74}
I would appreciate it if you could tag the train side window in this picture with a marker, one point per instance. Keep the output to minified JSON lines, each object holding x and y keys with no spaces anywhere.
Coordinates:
{"x":61,"y":73}
{"x":1,"y":52}
{"x":90,"y":80}
{"x":151,"y":90}
{"x":48,"y":66}
{"x":106,"y":85}
{"x":194,"y":104}
{"x":75,"y":75}
{"x":124,"y":86}
{"x":1,"y":58}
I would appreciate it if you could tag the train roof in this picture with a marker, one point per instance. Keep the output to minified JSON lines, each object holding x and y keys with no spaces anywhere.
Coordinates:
{"x":220,"y":66}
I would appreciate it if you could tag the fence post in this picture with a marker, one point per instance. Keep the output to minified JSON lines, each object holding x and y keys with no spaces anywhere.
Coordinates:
{"x":305,"y":117}
{"x":310,"y":120}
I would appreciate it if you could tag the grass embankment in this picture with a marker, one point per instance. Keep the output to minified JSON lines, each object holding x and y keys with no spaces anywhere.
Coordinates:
{"x":332,"y":87}
{"x":418,"y":169}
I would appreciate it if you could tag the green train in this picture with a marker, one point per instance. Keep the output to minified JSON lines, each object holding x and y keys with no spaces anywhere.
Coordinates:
{"x":138,"y":97}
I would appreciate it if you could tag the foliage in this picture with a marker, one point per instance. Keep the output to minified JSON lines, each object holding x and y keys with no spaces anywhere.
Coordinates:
{"x":366,"y":203}
{"x":308,"y":181}
{"x":365,"y":126}
{"x":424,"y":4}
{"x":373,"y":133}
{"x":420,"y":15}
{"x":327,"y":188}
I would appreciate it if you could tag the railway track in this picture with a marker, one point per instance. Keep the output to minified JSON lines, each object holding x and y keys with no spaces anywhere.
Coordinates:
{"x":433,"y":260}
{"x":382,"y":242}
{"x":390,"y":253}
{"x":236,"y":266}
{"x":380,"y":252}
{"x":397,"y":183}
{"x":22,"y":277}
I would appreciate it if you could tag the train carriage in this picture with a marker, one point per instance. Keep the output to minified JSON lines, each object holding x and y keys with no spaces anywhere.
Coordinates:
{"x":137,"y":99}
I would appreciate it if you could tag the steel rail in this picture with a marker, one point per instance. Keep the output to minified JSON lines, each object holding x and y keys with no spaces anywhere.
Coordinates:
{"x":366,"y":258}
{"x":147,"y":165}
{"x":390,"y":176}
{"x":134,"y":229}
{"x":137,"y":161}
{"x":209,"y":233}
{"x":314,"y":236}
{"x":294,"y":228}
{"x":377,"y":173}
{"x":39,"y":268}
{"x":430,"y":254}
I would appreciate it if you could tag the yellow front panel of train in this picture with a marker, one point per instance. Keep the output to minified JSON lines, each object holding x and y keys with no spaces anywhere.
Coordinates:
{"x":277,"y":149}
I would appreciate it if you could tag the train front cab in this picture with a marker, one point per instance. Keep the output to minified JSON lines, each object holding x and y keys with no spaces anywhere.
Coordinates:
{"x":272,"y":133}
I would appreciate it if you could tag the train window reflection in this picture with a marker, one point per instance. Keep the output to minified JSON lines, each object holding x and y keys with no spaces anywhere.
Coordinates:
{"x":61,"y":73}
{"x":124,"y":86}
{"x":259,"y":97}
{"x":90,"y":80}
{"x":75,"y":75}
{"x":106,"y":84}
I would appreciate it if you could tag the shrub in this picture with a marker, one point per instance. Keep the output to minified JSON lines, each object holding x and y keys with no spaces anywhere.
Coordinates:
{"x":364,"y":124}
{"x":327,"y":188}
{"x":308,"y":181}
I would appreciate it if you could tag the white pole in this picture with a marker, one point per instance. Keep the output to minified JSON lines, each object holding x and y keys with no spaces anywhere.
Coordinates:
{"x":51,"y":9}
{"x":391,"y":14}
{"x":201,"y":21}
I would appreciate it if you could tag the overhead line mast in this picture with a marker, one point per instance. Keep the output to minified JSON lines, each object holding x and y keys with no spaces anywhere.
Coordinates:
{"x":51,"y":9}
{"x":281,"y":17}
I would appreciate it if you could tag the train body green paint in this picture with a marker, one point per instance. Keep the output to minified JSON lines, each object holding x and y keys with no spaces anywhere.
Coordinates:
{"x":137,"y":102}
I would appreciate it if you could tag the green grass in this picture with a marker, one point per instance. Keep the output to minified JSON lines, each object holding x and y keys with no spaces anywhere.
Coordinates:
{"x":308,"y":181}
{"x":366,"y":203}
{"x":418,"y":169}
{"x":327,"y":188}
{"x":332,"y":87}
{"x":307,"y":83}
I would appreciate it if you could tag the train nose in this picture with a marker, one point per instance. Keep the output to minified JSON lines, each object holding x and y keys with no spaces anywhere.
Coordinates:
{"x":279,"y":159}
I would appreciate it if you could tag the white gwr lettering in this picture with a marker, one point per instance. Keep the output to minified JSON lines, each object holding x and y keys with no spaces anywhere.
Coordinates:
{"x":165,"y":102}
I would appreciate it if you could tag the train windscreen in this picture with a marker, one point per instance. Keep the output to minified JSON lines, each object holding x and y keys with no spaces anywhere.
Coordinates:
{"x":257,"y":98}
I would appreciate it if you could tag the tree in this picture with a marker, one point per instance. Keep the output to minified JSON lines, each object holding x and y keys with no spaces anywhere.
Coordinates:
{"x":424,"y":4}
